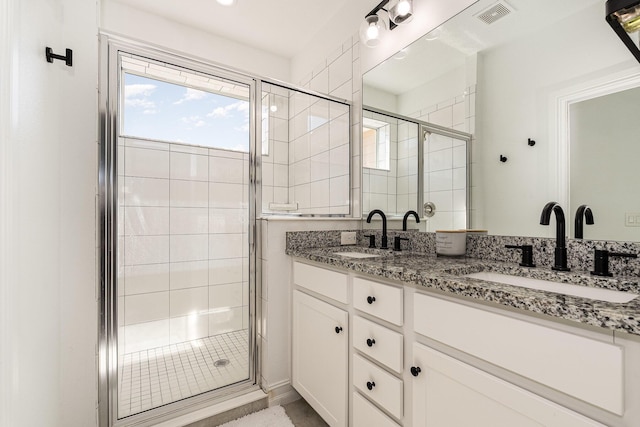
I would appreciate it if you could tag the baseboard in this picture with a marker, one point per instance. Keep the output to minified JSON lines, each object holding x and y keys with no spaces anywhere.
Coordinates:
{"x":282,"y":393}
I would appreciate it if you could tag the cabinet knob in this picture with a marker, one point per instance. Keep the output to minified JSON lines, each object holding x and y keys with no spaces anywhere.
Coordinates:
{"x":370,"y":342}
{"x":370,"y":385}
{"x":338,"y":329}
{"x":371,"y":300}
{"x":415,"y":371}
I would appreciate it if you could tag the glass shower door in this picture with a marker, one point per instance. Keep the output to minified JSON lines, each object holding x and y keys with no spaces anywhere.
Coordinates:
{"x":183,"y":254}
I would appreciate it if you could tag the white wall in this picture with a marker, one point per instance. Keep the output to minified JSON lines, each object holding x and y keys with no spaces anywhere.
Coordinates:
{"x":117,"y":18}
{"x":47,"y":215}
{"x":515,"y":86}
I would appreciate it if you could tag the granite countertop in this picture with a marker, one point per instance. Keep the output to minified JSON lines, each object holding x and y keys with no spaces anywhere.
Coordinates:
{"x":446,"y":274}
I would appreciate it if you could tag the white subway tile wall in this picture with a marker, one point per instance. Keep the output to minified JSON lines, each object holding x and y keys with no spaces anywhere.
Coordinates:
{"x":182,"y":243}
{"x":395,"y":191}
{"x":445,"y":172}
{"x":305,"y":150}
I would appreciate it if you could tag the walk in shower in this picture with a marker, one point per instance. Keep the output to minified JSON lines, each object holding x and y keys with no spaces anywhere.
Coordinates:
{"x":179,"y":289}
{"x":191,"y":154}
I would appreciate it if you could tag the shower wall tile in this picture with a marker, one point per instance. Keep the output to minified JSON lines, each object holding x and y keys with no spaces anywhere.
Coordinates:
{"x":189,"y":167}
{"x":225,"y":170}
{"x":145,"y":192}
{"x":190,"y":301}
{"x":144,"y":220}
{"x":228,"y":270}
{"x":146,"y":163}
{"x":146,"y":250}
{"x":223,"y":195}
{"x":184,"y":228}
{"x":226,"y":295}
{"x":185,"y":247}
{"x":189,"y":221}
{"x":190,"y":274}
{"x":187,"y":328}
{"x":189,"y":194}
{"x":226,"y":319}
{"x":146,"y":307}
{"x":142,"y":279}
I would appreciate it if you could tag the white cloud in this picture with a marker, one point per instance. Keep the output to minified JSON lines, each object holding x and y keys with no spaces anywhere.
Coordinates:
{"x":240,"y":106}
{"x":191,"y":95}
{"x":134,"y":90}
{"x":136,"y":95}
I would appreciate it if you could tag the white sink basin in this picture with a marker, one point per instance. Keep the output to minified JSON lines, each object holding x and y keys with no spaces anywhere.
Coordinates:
{"x":560,"y":288}
{"x":356,"y":254}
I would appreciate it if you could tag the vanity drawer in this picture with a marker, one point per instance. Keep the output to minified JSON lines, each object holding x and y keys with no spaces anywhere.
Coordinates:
{"x":331,"y":284}
{"x":386,"y":390}
{"x":586,"y":368}
{"x":378,"y":342}
{"x":377,"y":299}
{"x":367,"y":414}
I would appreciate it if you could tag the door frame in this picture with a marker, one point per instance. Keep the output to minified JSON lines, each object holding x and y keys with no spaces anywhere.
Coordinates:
{"x":109,"y":75}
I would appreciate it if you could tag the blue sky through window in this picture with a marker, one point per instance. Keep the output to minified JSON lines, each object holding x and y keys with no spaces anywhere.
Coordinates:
{"x":154,"y":109}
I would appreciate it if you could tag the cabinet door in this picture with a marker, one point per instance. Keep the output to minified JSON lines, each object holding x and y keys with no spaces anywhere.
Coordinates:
{"x":447,"y":392}
{"x":320,"y":356}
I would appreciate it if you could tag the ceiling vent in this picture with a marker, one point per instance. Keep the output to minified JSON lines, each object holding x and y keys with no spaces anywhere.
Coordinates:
{"x":494,"y":12}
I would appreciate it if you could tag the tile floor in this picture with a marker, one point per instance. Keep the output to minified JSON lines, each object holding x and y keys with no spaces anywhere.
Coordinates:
{"x":155,"y":377}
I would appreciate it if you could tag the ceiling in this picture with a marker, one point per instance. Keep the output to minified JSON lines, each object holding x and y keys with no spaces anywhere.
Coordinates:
{"x":281,"y":27}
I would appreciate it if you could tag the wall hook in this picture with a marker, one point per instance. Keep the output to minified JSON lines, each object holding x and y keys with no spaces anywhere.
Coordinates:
{"x":68,"y":58}
{"x":531,"y":142}
{"x":503,"y":158}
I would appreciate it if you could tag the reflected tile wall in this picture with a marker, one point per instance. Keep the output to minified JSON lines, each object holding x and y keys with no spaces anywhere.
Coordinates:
{"x":183,"y":223}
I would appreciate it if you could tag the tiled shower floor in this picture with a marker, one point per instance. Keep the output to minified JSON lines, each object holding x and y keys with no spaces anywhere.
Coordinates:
{"x":151,"y":378}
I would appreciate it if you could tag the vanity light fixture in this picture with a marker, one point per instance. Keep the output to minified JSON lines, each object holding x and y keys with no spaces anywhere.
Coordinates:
{"x":373,"y":27}
{"x":226,"y":2}
{"x":624,"y":18}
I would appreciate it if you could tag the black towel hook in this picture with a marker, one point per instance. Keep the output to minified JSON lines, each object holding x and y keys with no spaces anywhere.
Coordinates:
{"x":503,"y":158}
{"x":68,"y":58}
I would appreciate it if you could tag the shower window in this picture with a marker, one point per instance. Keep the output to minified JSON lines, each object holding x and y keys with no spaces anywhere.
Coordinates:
{"x":183,"y":280}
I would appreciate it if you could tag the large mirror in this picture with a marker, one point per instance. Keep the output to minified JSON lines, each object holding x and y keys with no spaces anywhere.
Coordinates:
{"x":525,"y":79}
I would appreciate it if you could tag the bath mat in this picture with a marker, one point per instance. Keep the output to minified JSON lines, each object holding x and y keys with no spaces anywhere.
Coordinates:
{"x":270,"y":417}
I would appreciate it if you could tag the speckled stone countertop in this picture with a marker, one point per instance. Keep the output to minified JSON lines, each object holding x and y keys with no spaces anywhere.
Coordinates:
{"x":446,"y":274}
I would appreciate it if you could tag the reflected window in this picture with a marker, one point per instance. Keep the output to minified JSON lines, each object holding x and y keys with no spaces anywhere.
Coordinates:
{"x":376,"y":141}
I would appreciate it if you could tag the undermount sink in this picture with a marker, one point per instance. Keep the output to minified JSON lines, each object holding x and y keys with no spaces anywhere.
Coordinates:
{"x":356,"y":255}
{"x":600,"y":294}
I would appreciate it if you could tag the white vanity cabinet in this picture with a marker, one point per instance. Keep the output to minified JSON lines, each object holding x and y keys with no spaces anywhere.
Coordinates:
{"x":448,"y":392}
{"x":320,"y":352}
{"x":422,"y":359}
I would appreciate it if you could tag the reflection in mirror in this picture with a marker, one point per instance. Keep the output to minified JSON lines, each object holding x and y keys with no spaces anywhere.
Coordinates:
{"x":305,"y":153}
{"x":501,"y":80}
{"x":390,"y":164}
{"x":604,"y":131}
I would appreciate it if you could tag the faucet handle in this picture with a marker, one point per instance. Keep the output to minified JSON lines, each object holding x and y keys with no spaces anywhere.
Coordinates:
{"x":396,"y":242}
{"x":601,"y":261}
{"x":527,"y":254}
{"x":372,"y":240}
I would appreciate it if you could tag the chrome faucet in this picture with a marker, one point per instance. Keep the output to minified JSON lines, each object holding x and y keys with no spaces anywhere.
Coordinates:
{"x":404,"y":220}
{"x":384,"y":226}
{"x":560,"y":258}
{"x":582,"y":211}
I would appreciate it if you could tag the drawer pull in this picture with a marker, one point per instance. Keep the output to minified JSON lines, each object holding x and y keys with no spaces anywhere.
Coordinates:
{"x":338,"y":329}
{"x":370,"y":385}
{"x":371,"y":300}
{"x":415,"y":371}
{"x":370,"y":342}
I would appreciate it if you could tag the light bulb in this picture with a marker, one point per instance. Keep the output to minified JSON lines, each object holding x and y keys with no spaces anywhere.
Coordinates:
{"x":226,"y":2}
{"x":372,"y":31}
{"x":404,"y":7}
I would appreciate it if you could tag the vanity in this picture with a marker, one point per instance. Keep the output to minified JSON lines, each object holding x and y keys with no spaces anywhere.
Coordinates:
{"x":383,"y":338}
